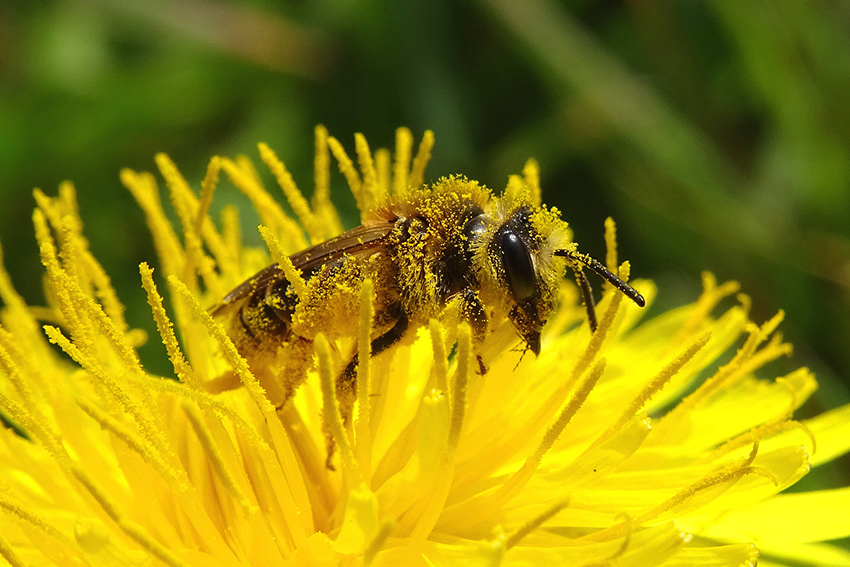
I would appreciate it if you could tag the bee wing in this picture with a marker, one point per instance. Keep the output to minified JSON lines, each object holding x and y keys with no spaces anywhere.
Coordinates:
{"x":363,"y":239}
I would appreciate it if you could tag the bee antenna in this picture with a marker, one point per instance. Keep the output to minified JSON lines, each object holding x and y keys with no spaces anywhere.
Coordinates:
{"x":604,"y":273}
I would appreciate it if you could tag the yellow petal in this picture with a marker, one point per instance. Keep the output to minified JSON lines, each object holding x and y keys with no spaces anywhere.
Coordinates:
{"x":778,"y":519}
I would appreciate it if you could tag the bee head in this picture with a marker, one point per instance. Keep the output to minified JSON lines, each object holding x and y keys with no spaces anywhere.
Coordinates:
{"x":529,"y":256}
{"x":515,"y":248}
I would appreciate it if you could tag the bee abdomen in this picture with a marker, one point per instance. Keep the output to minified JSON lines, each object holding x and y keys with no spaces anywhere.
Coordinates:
{"x":268,"y":312}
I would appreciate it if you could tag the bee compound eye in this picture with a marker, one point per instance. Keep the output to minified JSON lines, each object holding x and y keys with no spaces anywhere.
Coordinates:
{"x":475,"y":227}
{"x":519,"y":270}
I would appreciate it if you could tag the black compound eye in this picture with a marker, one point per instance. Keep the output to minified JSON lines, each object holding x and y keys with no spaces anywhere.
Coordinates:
{"x":519,"y":270}
{"x":475,"y":227}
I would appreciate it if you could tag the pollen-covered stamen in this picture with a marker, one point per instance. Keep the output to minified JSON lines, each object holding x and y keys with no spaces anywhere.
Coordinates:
{"x":346,"y":167}
{"x":372,"y":190}
{"x":747,"y":359}
{"x":186,"y":205}
{"x":401,"y":167}
{"x":458,"y":393}
{"x":271,"y":213}
{"x":655,"y":385}
{"x":429,"y":509}
{"x":417,"y":171}
{"x":166,"y":329}
{"x":330,"y":412}
{"x":377,"y":543}
{"x":322,"y":205}
{"x":294,"y":196}
{"x":596,"y":339}
{"x":722,"y":478}
{"x":239,"y":365}
{"x":217,"y":460}
{"x":517,"y":535}
{"x":362,"y":430}
{"x":293,"y":275}
{"x":440,"y":368}
{"x":207,"y":189}
{"x":610,"y":244}
{"x":487,"y":505}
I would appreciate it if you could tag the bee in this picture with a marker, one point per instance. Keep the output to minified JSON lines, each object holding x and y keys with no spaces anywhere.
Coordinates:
{"x":451,"y":251}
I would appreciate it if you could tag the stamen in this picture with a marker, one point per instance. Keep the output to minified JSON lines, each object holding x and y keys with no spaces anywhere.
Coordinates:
{"x":293,"y":195}
{"x":271,"y":213}
{"x":597,"y":339}
{"x":322,"y":206}
{"x":330,"y":412}
{"x":745,"y":360}
{"x":185,"y":203}
{"x":401,"y":168}
{"x":79,"y":328}
{"x":362,"y":431}
{"x":762,"y":432}
{"x":83,"y":304}
{"x":490,"y":505}
{"x":383,"y":166}
{"x":656,"y":384}
{"x":321,"y":170}
{"x":143,"y":188}
{"x":231,"y":233}
{"x":182,"y":368}
{"x":728,"y":475}
{"x":175,"y":477}
{"x":68,"y":199}
{"x":30,"y":418}
{"x":207,"y":189}
{"x":377,"y":543}
{"x":216,"y":459}
{"x":372,"y":191}
{"x":105,"y":381}
{"x":132,"y":529}
{"x":107,"y":295}
{"x":610,"y":247}
{"x":461,"y":379}
{"x":225,"y":256}
{"x":293,"y":274}
{"x":441,"y":360}
{"x":7,"y":552}
{"x":25,"y":513}
{"x":18,"y":363}
{"x":520,"y":533}
{"x":531,"y":173}
{"x":708,"y":300}
{"x":246,"y":166}
{"x":239,"y":365}
{"x":516,"y":190}
{"x":417,"y":173}
{"x":346,"y":167}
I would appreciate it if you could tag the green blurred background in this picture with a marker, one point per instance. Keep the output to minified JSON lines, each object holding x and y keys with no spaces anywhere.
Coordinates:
{"x":716,"y":133}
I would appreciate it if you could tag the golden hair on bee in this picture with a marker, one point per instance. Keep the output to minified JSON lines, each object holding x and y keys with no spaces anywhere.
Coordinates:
{"x":450,"y":251}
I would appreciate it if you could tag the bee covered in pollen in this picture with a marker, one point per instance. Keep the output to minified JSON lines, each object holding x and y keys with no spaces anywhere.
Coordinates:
{"x":450,"y":251}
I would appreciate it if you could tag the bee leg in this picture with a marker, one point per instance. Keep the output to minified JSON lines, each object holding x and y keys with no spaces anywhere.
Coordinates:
{"x":472,"y":311}
{"x":346,"y":383}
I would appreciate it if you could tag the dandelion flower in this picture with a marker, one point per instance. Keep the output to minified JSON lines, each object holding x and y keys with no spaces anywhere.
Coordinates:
{"x":632,"y":445}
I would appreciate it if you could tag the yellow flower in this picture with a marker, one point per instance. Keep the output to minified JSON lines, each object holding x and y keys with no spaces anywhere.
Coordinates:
{"x":546,"y":461}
